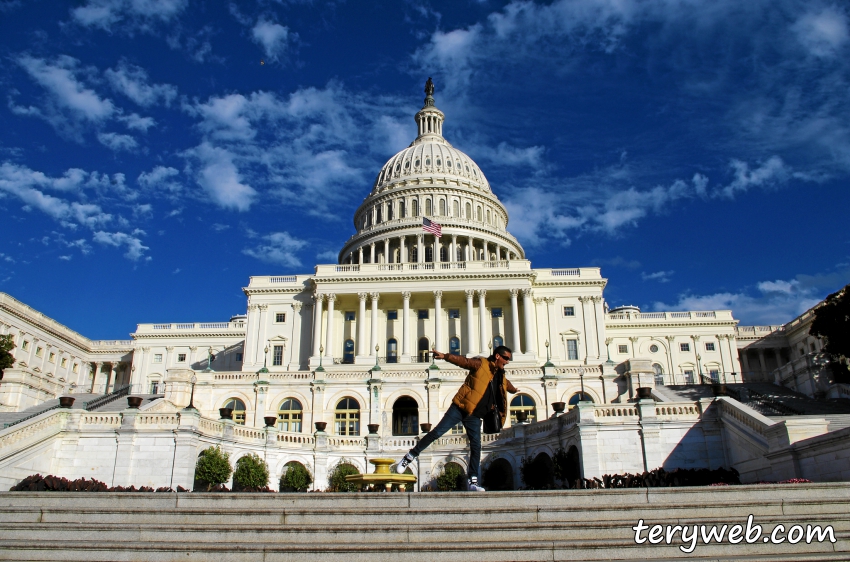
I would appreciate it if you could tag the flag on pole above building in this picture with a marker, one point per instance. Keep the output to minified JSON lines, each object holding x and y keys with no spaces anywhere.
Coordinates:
{"x":432,"y":227}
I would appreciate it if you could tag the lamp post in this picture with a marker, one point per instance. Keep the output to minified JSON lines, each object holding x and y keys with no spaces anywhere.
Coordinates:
{"x":320,"y":369}
{"x":581,"y":377}
{"x":699,"y":369}
{"x":209,"y":368}
{"x":191,"y":405}
{"x":548,"y":361}
{"x":433,"y":366}
{"x":265,"y":361}
{"x":376,"y":367}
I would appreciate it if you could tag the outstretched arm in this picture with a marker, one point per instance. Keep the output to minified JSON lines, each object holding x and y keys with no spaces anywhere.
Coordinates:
{"x":459,"y":360}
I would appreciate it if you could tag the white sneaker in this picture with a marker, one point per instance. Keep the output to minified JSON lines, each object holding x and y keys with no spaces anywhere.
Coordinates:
{"x":404,"y":463}
{"x":473,"y":485}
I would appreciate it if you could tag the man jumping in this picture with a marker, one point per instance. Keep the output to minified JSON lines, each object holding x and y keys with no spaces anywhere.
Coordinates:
{"x":469,"y":405}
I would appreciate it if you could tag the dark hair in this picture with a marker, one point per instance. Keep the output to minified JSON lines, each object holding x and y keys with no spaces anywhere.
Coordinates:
{"x":501,"y":349}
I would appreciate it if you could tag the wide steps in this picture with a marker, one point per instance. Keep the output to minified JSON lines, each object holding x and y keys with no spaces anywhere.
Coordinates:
{"x":526,"y":525}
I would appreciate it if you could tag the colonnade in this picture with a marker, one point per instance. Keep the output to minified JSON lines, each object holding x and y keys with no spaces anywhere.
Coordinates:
{"x":400,"y":249}
{"x":325,"y":344}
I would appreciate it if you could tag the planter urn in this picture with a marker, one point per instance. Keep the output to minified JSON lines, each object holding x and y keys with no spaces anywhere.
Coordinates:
{"x":66,"y":401}
{"x":271,"y":421}
{"x":559,"y":407}
{"x":226,"y":413}
{"x":718,"y":389}
{"x":134,"y":402}
{"x":521,"y":417}
{"x":320,"y":426}
{"x":373,"y":428}
{"x":644,"y":393}
{"x":425,"y":427}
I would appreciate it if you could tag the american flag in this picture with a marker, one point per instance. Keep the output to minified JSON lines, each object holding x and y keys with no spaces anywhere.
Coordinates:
{"x":432,"y":227}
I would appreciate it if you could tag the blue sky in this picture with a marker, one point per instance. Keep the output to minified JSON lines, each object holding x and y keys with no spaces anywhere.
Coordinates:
{"x":154,"y":154}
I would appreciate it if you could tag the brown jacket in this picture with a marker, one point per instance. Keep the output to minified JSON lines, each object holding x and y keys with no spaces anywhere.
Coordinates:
{"x":481,"y":372}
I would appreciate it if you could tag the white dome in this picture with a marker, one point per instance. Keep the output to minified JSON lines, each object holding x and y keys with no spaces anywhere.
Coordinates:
{"x":435,"y":157}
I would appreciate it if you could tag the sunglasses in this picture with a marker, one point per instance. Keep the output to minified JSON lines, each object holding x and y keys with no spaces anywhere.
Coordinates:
{"x":507,"y":359}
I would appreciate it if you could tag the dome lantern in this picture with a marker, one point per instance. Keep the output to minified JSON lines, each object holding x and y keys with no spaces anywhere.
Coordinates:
{"x":429,"y":119}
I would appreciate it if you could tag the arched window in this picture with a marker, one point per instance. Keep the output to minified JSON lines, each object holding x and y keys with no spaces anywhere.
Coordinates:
{"x":347,"y":417}
{"x":442,"y":207}
{"x":289,"y":415}
{"x":469,"y":210}
{"x":413,"y":251}
{"x":454,"y":345}
{"x":523,"y":403}
{"x":348,"y":351}
{"x":443,"y":253}
{"x":368,"y":220}
{"x":392,"y":350}
{"x":455,"y":208}
{"x":238,"y":408}
{"x":577,"y":397}
{"x":389,"y":211}
{"x":659,"y":374}
{"x":405,"y":416}
{"x":401,"y":209}
{"x":428,"y":209}
{"x":497,"y":341}
{"x":488,"y":216}
{"x":429,"y":253}
{"x":415,"y":208}
{"x":379,"y":214}
{"x":424,"y":350}
{"x":459,"y":256}
{"x":480,"y":216}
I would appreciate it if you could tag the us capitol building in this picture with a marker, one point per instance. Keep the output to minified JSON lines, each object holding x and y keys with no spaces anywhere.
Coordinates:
{"x":335,"y":364}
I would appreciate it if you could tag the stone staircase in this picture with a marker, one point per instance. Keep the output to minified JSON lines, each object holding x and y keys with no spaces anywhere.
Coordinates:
{"x":745,"y":391}
{"x":528,"y":525}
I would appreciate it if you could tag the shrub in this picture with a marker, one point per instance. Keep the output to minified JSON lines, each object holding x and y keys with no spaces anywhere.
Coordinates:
{"x":213,"y":468}
{"x":296,"y":478}
{"x":453,"y":478}
{"x":336,"y":477}
{"x":251,"y":474}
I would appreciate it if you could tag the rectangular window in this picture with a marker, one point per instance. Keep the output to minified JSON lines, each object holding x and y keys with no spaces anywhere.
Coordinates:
{"x":280,"y":317}
{"x":496,"y":312}
{"x":181,"y":357}
{"x":39,"y":351}
{"x":569,"y":311}
{"x":689,"y":376}
{"x":454,"y":313}
{"x":423,"y":313}
{"x":458,"y":429}
{"x":277,"y":359}
{"x":623,"y":348}
{"x":238,"y":357}
{"x":76,"y":368}
{"x":714,"y":374}
{"x":64,"y":362}
{"x":26,"y":345}
{"x":157,"y":357}
{"x":52,"y":357}
{"x":349,"y":316}
{"x":684,"y":347}
{"x":709,"y":346}
{"x":392,"y":315}
{"x":572,"y":349}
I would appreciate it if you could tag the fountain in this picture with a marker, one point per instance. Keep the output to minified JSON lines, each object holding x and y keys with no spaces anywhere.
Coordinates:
{"x":382,"y":475}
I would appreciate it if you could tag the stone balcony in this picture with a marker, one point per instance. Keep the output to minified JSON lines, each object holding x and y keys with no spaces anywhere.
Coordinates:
{"x":624,"y":318}
{"x":222,"y":328}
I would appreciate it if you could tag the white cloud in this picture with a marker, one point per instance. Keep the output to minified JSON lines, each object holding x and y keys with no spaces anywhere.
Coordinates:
{"x":773,"y":171}
{"x":824,"y":32}
{"x":133,"y":82}
{"x":273,"y":37}
{"x":137,"y":122}
{"x":278,"y":248}
{"x":328,"y":257}
{"x":160,"y":176}
{"x":660,"y":276}
{"x":220,"y":227}
{"x":135,"y":248}
{"x":117,"y":142}
{"x":220,"y":178}
{"x":106,"y":13}
{"x":506,"y":155}
{"x":65,"y":258}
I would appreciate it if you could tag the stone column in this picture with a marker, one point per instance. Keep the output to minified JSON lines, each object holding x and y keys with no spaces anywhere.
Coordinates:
{"x":585,"y":321}
{"x":420,"y":248}
{"x":671,"y":349}
{"x":360,"y":254}
{"x":329,"y":334}
{"x":405,"y":328}
{"x":437,"y":247}
{"x":387,"y":250}
{"x":402,"y":252}
{"x":110,"y":384}
{"x":372,"y":252}
{"x":295,"y":343}
{"x":515,"y":342}
{"x":317,"y":323}
{"x":550,"y":301}
{"x":599,"y":325}
{"x":261,"y":340}
{"x":94,"y":376}
{"x":528,"y":311}
{"x":374,"y":339}
{"x":469,"y":316}
{"x":482,"y":320}
{"x":361,"y":326}
{"x":453,"y":257}
{"x":438,"y":320}
{"x":746,"y":361}
{"x":486,"y":247}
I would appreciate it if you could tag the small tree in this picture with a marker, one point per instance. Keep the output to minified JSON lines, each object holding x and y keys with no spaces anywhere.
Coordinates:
{"x":7,"y":344}
{"x":213,"y":468}
{"x":832,"y":323}
{"x":336,"y":477}
{"x":296,"y":478}
{"x":453,"y":478}
{"x":251,"y":473}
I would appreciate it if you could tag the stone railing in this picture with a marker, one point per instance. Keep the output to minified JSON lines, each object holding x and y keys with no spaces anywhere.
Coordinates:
{"x":676,"y":410}
{"x":346,"y":442}
{"x":94,"y":418}
{"x":750,"y":332}
{"x":614,"y":411}
{"x":419,"y":267}
{"x":669,"y":316}
{"x":297,"y":439}
{"x":746,"y":418}
{"x":50,"y":423}
{"x":157,"y":419}
{"x":211,"y":427}
{"x":225,"y":327}
{"x":248,"y":433}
